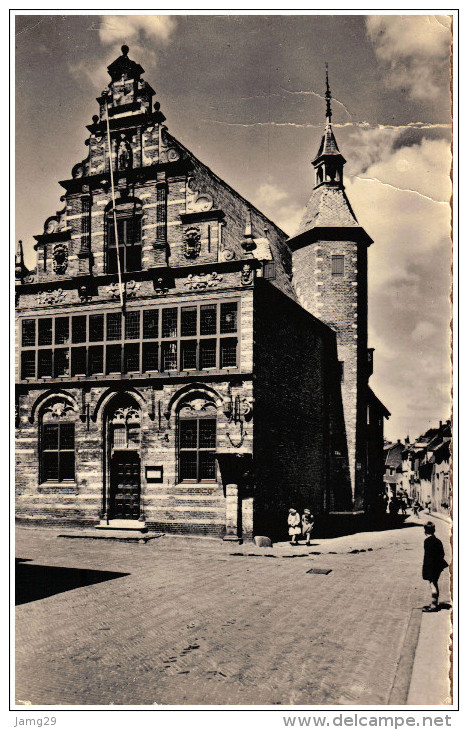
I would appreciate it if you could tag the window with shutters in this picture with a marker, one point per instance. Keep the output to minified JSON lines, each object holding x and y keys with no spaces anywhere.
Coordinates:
{"x":337,"y":263}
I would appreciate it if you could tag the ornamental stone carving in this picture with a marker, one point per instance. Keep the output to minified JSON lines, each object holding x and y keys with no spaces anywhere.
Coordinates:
{"x":113,"y":290}
{"x":247,"y":275}
{"x":84,"y":293}
{"x":77,"y":171}
{"x":227,"y":254}
{"x":198,"y":404}
{"x":58,"y":409}
{"x":50,"y":297}
{"x":51,"y":225}
{"x":124,"y":154}
{"x":237,"y":412}
{"x":192,"y":242}
{"x":203,"y":281}
{"x":60,"y":258}
{"x":161,"y":286}
{"x":172,"y":155}
{"x":130,"y":289}
{"x":123,"y":415}
{"x":198,"y":201}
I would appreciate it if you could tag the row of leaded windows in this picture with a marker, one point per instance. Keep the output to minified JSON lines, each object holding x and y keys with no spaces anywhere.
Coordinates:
{"x":146,"y":340}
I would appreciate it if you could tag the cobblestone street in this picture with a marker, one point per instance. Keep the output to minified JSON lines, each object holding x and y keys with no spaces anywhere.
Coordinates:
{"x":180,"y":621}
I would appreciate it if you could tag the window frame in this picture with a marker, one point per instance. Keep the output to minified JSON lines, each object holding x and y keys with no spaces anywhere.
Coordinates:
{"x":198,"y":450}
{"x":123,"y":216}
{"x":42,"y":451}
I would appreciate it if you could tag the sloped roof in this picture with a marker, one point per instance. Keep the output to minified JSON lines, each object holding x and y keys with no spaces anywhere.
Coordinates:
{"x":394,"y":456}
{"x":328,"y":144}
{"x":378,"y":402}
{"x":328,"y":207}
{"x":263,"y":250}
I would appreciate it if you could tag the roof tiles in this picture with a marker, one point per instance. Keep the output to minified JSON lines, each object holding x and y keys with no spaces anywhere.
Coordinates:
{"x":328,"y":207}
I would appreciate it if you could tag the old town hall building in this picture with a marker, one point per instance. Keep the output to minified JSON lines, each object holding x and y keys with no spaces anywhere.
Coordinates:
{"x":182,"y":365}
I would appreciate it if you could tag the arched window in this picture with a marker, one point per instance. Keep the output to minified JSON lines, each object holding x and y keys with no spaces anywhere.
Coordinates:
{"x":129,"y":237}
{"x":197,"y":441}
{"x":57,"y":442}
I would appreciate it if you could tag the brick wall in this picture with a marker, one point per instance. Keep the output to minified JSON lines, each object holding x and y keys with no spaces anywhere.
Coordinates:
{"x":168,"y":505}
{"x":297,"y":412}
{"x":341,"y":302}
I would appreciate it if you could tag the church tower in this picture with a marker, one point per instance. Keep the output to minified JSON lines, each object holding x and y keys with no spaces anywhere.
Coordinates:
{"x":330,"y":278}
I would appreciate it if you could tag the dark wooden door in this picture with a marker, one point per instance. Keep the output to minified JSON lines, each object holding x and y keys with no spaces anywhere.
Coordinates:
{"x":125,"y":486}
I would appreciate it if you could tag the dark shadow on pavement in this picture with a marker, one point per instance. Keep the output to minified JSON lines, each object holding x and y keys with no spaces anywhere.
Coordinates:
{"x":445,"y":606}
{"x":34,"y":582}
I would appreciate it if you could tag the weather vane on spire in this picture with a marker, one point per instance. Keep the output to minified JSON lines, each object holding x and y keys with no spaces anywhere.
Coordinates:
{"x":328,"y":97}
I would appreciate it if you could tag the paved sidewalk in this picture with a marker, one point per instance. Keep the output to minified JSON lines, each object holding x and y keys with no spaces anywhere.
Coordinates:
{"x":430,"y":682}
{"x":201,"y":622}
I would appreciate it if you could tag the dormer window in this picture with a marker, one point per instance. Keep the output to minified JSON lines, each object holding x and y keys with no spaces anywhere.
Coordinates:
{"x":129,"y":238}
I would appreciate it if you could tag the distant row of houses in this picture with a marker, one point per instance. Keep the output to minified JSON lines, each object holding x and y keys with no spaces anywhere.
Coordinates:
{"x":422,"y":469}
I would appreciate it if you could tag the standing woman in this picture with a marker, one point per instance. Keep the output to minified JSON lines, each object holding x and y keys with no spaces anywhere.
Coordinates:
{"x":307,"y":525}
{"x":294,"y":522}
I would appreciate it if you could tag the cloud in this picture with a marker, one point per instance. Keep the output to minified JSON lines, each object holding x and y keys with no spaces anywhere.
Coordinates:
{"x":277,"y":205}
{"x":141,"y":32}
{"x":125,"y":28}
{"x":423,"y":168}
{"x":369,"y":145}
{"x":409,"y":280}
{"x":89,"y":76}
{"x":413,"y":50}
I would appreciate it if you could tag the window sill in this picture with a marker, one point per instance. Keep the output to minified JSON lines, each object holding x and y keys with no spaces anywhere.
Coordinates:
{"x":62,"y":487}
{"x":207,"y":483}
{"x":134,"y":376}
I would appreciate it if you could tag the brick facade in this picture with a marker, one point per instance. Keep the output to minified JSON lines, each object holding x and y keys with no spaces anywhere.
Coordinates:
{"x":99,"y":408}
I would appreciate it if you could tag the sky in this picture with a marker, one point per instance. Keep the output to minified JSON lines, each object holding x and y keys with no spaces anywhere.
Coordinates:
{"x":245,"y":95}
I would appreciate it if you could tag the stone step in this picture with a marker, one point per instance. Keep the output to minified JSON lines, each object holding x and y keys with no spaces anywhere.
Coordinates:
{"x":119,"y":535}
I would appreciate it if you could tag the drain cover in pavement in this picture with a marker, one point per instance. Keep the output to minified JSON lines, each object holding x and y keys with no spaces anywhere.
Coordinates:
{"x":320,"y":571}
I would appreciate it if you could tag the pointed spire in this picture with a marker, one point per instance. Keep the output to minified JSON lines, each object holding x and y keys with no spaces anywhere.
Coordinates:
{"x":328,"y":161}
{"x":328,"y":97}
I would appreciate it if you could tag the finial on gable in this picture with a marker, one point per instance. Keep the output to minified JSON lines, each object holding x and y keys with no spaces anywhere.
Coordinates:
{"x":248,"y":243}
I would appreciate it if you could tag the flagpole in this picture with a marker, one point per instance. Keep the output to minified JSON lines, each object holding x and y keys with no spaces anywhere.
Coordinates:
{"x":116,"y":235}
